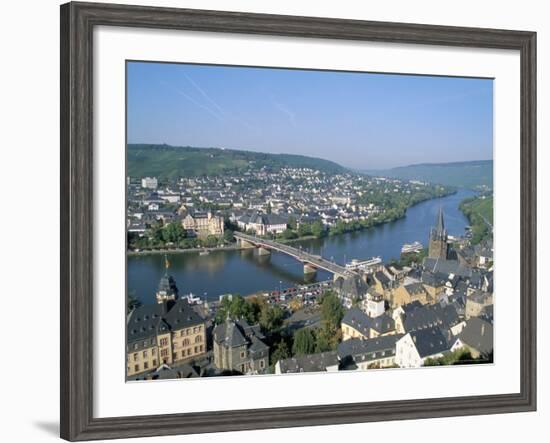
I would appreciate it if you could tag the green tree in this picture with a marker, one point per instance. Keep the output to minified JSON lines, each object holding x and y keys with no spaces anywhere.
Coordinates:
{"x":324,"y":341}
{"x":280,"y":352}
{"x":317,"y":229}
{"x":271,"y":318}
{"x":228,"y":236}
{"x":235,"y":308}
{"x":289,"y":234}
{"x":304,"y":342}
{"x":332,"y":311}
{"x":210,"y":242}
{"x":173,"y":233}
{"x":292,"y":222}
{"x":304,"y":229}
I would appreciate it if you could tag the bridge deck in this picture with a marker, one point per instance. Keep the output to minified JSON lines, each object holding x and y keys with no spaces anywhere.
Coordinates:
{"x":305,"y":257}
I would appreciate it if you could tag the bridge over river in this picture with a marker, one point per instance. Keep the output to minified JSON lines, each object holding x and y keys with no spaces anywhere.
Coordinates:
{"x":311,"y":262}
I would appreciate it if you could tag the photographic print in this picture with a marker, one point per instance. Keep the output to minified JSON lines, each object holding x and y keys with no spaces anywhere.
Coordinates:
{"x":284,"y":221}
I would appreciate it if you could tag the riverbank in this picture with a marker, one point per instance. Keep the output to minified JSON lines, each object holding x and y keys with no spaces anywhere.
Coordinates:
{"x":356,"y":227}
{"x":233,"y":271}
{"x":233,"y":247}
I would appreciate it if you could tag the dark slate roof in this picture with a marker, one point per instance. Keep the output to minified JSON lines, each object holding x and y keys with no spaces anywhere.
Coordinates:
{"x":309,"y":363}
{"x":370,"y":349}
{"x":146,"y":321}
{"x":487,"y":314}
{"x":363,"y":323}
{"x":478,"y":334}
{"x":411,"y":306}
{"x":430,"y":315}
{"x":182,"y":315}
{"x":232,"y":334}
{"x":480,"y":297}
{"x":143,"y":324}
{"x":441,"y":266}
{"x":351,"y":286}
{"x":229,"y":335}
{"x":433,"y":279}
{"x":415,"y":288}
{"x":258,"y":348}
{"x":429,"y":341}
{"x":166,"y":372}
{"x":382,"y":278}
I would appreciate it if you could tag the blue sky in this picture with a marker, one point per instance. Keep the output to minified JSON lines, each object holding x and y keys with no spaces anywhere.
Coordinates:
{"x":360,"y":120}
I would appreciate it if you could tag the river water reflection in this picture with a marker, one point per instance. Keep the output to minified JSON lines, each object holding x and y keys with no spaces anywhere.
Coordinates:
{"x":244,"y":272}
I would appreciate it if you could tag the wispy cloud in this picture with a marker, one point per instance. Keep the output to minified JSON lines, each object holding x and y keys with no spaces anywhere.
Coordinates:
{"x":205,"y":95}
{"x":211,"y":106}
{"x":192,"y":100}
{"x":286,"y":111}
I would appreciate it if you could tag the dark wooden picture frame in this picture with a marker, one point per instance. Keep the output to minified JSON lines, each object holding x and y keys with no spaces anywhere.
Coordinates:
{"x":77,"y":217}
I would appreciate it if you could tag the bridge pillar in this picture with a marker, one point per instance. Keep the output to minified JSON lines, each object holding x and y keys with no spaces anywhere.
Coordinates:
{"x":245,"y":245}
{"x":263,"y":251}
{"x":308,"y":269}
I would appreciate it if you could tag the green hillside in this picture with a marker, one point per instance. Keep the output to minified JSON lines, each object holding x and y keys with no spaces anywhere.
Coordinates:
{"x":165,"y":161}
{"x":479,"y":211}
{"x":471,"y":174}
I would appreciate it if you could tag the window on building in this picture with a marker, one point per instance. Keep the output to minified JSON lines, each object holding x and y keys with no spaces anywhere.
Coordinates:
{"x":196,"y":349}
{"x":164,"y":352}
{"x":145,"y":365}
{"x":262,"y":364}
{"x":242,"y":354}
{"x":183,"y":353}
{"x":136,"y":356}
{"x":200,"y":348}
{"x":154,"y":362}
{"x":164,"y":341}
{"x":189,"y":351}
{"x":198,"y":338}
{"x":136,"y":368}
{"x":145,"y":353}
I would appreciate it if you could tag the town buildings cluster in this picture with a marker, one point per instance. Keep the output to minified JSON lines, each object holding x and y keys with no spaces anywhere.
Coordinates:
{"x":437,"y":311}
{"x":264,"y":202}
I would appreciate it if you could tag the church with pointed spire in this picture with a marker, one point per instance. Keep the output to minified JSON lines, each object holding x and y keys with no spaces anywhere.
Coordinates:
{"x":167,"y":290}
{"x":438,"y":246}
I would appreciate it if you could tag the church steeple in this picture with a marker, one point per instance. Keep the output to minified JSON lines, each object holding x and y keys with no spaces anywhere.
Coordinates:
{"x":438,"y":247}
{"x":167,"y":290}
{"x":440,"y":224}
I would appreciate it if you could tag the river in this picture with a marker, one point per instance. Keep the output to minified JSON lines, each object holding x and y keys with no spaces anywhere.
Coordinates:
{"x":244,"y":272}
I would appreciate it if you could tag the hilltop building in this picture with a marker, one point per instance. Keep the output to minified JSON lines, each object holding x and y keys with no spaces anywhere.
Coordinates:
{"x":438,"y":247}
{"x":204,"y":224}
{"x":163,"y":334}
{"x":357,"y":324}
{"x":262,"y":224}
{"x":149,"y":183}
{"x":239,"y":347}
